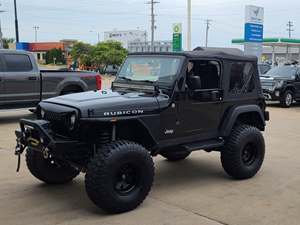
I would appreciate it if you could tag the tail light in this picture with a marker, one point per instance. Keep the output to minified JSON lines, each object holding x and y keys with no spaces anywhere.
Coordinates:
{"x":98,"y":82}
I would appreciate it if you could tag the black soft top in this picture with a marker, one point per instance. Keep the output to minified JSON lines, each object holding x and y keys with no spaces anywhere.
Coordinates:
{"x":231,"y":54}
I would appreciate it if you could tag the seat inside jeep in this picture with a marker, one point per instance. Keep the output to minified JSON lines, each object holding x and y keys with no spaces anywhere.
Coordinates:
{"x":207,"y":71}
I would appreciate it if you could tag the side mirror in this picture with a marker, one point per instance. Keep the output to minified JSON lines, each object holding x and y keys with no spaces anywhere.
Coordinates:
{"x":194,"y":83}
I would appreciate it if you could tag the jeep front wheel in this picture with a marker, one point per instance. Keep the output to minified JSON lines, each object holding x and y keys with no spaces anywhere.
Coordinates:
{"x":287,"y":99}
{"x":119,"y":176}
{"x":42,"y":169}
{"x":175,"y":155}
{"x":244,"y":152}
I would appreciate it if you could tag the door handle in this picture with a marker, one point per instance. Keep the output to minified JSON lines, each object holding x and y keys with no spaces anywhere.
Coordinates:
{"x":32,"y":78}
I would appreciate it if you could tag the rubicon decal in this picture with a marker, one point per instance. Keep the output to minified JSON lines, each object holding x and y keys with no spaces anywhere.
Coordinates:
{"x":124,"y":113}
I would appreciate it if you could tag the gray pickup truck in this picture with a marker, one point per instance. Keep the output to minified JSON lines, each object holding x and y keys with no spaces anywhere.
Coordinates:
{"x":23,"y":84}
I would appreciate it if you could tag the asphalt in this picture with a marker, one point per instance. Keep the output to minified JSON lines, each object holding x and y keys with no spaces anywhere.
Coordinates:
{"x":194,"y":191}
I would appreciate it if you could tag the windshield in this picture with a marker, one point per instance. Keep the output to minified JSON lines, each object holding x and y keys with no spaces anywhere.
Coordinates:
{"x":150,"y":68}
{"x":284,"y":71}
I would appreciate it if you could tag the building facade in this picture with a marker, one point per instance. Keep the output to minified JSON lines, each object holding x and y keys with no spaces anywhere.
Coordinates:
{"x":159,"y":46}
{"x":125,"y":37}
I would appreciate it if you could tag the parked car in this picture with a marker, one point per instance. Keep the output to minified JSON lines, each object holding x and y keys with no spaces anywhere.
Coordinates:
{"x":282,"y":84}
{"x":161,"y":103}
{"x":263,"y":68}
{"x":23,"y":84}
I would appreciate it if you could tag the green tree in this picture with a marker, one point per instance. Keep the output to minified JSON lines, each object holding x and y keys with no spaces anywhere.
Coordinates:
{"x":108,"y":53}
{"x":7,"y":41}
{"x":55,"y":56}
{"x":81,"y":52}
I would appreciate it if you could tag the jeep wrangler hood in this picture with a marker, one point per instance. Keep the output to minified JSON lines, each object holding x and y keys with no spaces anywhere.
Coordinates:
{"x":110,"y":103}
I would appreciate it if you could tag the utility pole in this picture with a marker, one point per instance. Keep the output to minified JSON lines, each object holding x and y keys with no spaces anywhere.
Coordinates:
{"x":153,"y":27}
{"x":189,"y":25}
{"x":16,"y":21}
{"x":290,"y":26}
{"x":208,"y":23}
{"x":36,"y":28}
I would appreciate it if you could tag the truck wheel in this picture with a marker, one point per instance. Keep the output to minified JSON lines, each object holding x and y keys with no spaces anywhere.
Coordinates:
{"x":175,"y":156}
{"x":287,"y":99}
{"x":49,"y":173}
{"x":244,"y":152}
{"x":119,"y":176}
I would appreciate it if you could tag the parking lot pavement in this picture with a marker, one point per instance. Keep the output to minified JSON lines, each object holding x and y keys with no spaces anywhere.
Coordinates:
{"x":195,"y":191}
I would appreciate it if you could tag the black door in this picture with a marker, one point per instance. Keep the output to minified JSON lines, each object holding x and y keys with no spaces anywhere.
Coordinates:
{"x":21,"y":82}
{"x":199,"y":106}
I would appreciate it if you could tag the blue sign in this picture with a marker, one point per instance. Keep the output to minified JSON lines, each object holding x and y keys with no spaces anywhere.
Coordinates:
{"x":254,"y":32}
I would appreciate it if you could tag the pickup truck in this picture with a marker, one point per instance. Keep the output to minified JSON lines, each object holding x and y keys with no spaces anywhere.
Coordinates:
{"x":23,"y":84}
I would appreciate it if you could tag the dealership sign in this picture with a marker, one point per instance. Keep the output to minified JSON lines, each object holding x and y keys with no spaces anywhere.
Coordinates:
{"x":254,"y":30}
{"x":177,"y":37}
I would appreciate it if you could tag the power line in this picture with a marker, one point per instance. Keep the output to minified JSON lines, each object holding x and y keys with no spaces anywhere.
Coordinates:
{"x":290,"y":29}
{"x":153,"y":27}
{"x":36,"y":28}
{"x":208,"y":23}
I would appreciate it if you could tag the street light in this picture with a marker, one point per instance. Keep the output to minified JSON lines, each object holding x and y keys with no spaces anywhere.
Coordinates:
{"x":36,"y":28}
{"x":98,"y":35}
{"x":1,"y":35}
{"x":16,"y":21}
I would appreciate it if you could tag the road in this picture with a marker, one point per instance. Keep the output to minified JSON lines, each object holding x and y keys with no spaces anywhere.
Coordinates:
{"x":195,"y":191}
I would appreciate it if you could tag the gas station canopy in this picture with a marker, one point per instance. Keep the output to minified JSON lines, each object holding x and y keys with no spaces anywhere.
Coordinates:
{"x":288,"y":43}
{"x":274,"y":42}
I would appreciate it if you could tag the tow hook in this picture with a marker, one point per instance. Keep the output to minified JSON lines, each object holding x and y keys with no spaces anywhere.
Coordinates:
{"x":46,"y":153}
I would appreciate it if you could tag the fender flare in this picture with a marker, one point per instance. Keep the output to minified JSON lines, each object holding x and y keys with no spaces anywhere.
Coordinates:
{"x":233,"y":115}
{"x":71,"y":82}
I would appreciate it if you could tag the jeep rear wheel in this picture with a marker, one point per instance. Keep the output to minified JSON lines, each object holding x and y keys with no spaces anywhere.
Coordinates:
{"x":175,"y":155}
{"x":244,"y":152}
{"x":120,"y":176}
{"x":49,"y":173}
{"x":287,"y":99}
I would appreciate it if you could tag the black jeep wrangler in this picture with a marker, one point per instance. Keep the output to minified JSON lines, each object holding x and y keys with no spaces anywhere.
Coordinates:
{"x":168,"y":104}
{"x":282,"y":84}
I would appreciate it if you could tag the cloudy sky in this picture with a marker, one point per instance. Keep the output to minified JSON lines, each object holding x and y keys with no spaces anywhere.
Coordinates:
{"x":82,"y":19}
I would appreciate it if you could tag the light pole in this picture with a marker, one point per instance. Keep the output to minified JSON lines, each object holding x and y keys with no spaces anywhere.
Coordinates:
{"x":36,"y":28}
{"x":189,"y":25}
{"x":98,"y":35}
{"x":1,"y":35}
{"x":16,"y":21}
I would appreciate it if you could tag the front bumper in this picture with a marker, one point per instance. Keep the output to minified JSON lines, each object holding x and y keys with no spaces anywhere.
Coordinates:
{"x":37,"y":135}
{"x":271,"y":95}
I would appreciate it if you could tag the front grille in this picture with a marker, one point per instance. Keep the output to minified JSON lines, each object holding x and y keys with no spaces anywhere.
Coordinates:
{"x":267,"y":84}
{"x":59,"y":122}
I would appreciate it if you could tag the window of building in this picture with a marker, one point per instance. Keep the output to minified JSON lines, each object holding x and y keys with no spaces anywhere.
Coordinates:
{"x":242,"y":78}
{"x":17,"y":63}
{"x":39,"y":56}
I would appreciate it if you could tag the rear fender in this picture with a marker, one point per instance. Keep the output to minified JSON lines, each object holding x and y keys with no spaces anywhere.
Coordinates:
{"x":243,"y":111}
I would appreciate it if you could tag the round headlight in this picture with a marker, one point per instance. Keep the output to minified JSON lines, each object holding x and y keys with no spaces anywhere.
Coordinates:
{"x":72,"y":121}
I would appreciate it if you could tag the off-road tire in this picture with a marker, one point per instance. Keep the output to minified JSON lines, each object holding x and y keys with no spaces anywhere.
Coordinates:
{"x":175,"y":155}
{"x":287,"y":99}
{"x":244,"y":141}
{"x":49,"y":173}
{"x":104,"y":176}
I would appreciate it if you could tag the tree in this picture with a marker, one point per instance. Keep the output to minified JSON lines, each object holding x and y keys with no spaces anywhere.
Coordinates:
{"x":7,"y":41}
{"x":108,"y":53}
{"x":55,"y":56}
{"x":82,"y":52}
